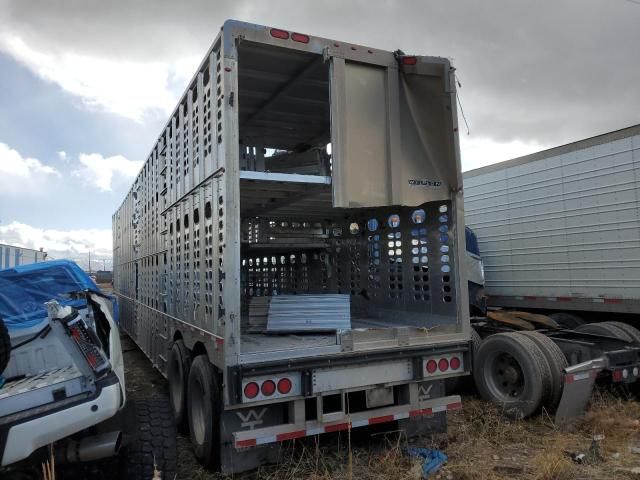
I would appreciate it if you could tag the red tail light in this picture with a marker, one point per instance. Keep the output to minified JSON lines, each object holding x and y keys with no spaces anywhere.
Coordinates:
{"x":300,"y":37}
{"x":443,"y":364}
{"x":454,"y":363}
{"x":409,"y":60}
{"x":432,"y":366}
{"x":284,"y":385}
{"x":268,"y":388}
{"x":281,"y":34}
{"x":251,"y":390}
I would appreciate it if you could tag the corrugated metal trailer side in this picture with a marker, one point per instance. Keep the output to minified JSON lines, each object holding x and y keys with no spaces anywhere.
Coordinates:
{"x":562,"y":225}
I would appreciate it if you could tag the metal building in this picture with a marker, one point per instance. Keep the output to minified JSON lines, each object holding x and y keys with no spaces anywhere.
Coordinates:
{"x":12,"y":256}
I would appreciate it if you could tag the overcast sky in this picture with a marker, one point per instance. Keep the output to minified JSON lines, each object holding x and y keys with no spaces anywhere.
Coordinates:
{"x":85,"y":87}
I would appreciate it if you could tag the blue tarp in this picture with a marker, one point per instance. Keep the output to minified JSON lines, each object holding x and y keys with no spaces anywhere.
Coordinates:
{"x":25,"y":289}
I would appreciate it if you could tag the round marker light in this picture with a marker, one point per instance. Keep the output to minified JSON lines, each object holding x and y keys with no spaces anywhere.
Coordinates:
{"x":454,"y":363}
{"x":251,"y":390}
{"x":443,"y":364}
{"x":268,"y":388}
{"x":432,"y":366}
{"x":284,"y":385}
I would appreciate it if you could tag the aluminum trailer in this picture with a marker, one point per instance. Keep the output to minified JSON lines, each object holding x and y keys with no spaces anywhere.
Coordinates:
{"x":559,"y":230}
{"x":299,"y":165}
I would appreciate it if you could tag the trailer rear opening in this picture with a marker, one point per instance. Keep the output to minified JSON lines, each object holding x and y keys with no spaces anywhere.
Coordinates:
{"x":288,"y":255}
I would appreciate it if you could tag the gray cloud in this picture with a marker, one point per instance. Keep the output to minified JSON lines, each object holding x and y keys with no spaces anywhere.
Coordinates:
{"x":546,"y":71}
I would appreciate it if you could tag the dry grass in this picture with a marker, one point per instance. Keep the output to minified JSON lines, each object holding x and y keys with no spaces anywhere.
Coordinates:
{"x":481,"y":443}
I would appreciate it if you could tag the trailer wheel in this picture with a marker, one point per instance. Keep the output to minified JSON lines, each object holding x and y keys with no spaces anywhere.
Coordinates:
{"x":179,"y":364}
{"x":150,"y":437}
{"x":567,"y":320}
{"x":604,"y":328}
{"x":205,"y":397}
{"x":632,"y":332}
{"x":5,"y":346}
{"x":557,"y":363}
{"x":512,"y":372}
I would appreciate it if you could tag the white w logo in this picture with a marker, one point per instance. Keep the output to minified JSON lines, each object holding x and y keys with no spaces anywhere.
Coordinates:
{"x":251,"y":418}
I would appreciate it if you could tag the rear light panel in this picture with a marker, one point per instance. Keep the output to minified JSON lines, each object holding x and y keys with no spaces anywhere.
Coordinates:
{"x":445,"y":364}
{"x":270,"y":387}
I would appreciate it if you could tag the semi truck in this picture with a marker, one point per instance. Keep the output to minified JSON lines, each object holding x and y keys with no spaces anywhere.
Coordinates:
{"x":553,"y":253}
{"x":559,"y":230}
{"x":289,"y":254}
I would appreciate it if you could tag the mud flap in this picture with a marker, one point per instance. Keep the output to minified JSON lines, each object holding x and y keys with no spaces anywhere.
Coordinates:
{"x":576,"y":392}
{"x":426,"y":425}
{"x":234,"y":460}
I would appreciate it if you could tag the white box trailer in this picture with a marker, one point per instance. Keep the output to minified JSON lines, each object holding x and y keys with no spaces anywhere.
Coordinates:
{"x":299,"y":166}
{"x":559,"y":230}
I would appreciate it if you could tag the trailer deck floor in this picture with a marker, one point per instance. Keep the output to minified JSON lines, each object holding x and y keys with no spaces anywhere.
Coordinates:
{"x":294,"y":345}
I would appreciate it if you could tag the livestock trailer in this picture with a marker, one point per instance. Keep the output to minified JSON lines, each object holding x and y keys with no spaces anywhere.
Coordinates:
{"x":559,"y":230}
{"x":288,"y":254}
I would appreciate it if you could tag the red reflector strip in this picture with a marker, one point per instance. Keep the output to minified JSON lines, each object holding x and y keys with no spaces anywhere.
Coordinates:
{"x":250,"y":442}
{"x":281,"y":34}
{"x":454,"y":406}
{"x":300,"y":37}
{"x":290,"y":435}
{"x":409,"y":60}
{"x":337,"y":427}
{"x":417,"y":413}
{"x":376,"y":420}
{"x":612,"y":300}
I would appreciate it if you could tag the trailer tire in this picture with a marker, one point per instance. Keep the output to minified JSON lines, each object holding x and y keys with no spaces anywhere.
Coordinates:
{"x":178,"y":376}
{"x":512,"y":372}
{"x":205,"y":400}
{"x":5,"y":346}
{"x":632,"y":332}
{"x":557,"y":363}
{"x":567,"y":320}
{"x":150,"y":438}
{"x":604,"y":328}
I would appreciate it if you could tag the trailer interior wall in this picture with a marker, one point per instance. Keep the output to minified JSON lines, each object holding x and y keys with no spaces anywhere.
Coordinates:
{"x":267,"y":180}
{"x":562,"y":225}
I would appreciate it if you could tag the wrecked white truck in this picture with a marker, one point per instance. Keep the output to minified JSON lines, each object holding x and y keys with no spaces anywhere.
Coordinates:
{"x":62,"y":388}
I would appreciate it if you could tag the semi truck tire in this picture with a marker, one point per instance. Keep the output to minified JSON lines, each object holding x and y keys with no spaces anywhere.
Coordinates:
{"x":150,"y":436}
{"x":512,"y":372}
{"x":205,"y":400}
{"x":567,"y":320}
{"x":178,"y":375}
{"x":5,"y":346}
{"x":632,"y":332}
{"x":557,"y":363}
{"x":604,"y":328}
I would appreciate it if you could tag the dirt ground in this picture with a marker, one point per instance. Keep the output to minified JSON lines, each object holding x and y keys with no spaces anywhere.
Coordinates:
{"x":481,"y":443}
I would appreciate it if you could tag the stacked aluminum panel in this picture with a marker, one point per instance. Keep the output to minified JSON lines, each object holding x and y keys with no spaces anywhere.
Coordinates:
{"x":309,"y":313}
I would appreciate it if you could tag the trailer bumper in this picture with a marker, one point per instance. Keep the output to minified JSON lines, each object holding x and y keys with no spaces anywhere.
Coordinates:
{"x":279,"y":433}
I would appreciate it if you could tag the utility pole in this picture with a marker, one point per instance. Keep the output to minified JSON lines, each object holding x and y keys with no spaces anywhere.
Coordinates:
{"x":89,"y":261}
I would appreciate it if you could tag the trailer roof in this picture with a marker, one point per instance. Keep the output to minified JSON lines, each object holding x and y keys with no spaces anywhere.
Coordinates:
{"x":560,"y":150}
